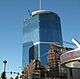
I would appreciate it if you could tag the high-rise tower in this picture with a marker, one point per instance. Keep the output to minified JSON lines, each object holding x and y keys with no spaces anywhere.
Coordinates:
{"x":40,"y":29}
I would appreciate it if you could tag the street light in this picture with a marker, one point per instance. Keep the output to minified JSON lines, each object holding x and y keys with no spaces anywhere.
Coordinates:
{"x":3,"y":76}
{"x":4,"y":65}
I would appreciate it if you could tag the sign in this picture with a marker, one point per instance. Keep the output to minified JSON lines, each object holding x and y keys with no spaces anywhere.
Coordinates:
{"x":69,"y":56}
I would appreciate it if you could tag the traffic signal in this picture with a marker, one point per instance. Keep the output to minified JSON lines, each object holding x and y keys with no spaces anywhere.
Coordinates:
{"x":11,"y":72}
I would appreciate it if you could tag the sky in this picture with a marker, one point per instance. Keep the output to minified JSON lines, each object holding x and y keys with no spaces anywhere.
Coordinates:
{"x":12,"y":15}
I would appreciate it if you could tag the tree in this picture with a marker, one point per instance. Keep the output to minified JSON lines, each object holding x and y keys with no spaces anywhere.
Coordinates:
{"x":16,"y":77}
{"x":3,"y":76}
{"x":11,"y":77}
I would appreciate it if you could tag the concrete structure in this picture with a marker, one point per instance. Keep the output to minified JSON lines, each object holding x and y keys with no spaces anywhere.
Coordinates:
{"x":71,"y":59}
{"x":54,"y":62}
{"x":33,"y":70}
{"x":53,"y":56}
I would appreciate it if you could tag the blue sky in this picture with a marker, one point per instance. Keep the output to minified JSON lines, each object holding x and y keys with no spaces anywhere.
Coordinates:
{"x":12,"y":14}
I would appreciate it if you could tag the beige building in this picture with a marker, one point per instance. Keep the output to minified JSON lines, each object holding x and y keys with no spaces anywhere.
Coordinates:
{"x":32,"y":70}
{"x":53,"y":56}
{"x":54,"y":62}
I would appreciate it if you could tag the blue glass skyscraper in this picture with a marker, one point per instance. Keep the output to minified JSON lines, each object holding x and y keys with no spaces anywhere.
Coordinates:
{"x":40,"y":29}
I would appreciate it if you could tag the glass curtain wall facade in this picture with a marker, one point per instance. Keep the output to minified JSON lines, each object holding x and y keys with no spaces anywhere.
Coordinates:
{"x":40,"y":29}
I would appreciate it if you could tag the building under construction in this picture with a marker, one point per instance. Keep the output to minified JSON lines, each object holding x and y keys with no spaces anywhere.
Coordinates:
{"x":54,"y":62}
{"x":53,"y":70}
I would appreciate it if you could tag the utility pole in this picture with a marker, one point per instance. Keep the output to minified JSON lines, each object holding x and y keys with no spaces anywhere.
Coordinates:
{"x":3,"y":76}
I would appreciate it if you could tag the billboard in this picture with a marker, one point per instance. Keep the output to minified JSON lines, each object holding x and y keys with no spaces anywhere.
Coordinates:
{"x":71,"y":58}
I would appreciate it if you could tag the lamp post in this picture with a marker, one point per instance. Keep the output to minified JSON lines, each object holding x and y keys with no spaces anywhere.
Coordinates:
{"x":4,"y":65}
{"x":3,"y":76}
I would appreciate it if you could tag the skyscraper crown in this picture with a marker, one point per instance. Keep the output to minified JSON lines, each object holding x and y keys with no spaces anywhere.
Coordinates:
{"x":41,"y":11}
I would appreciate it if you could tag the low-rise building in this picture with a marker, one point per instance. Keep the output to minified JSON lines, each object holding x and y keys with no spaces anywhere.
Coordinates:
{"x":33,"y":70}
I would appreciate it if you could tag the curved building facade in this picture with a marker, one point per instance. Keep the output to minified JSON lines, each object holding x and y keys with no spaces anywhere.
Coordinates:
{"x":40,"y":29}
